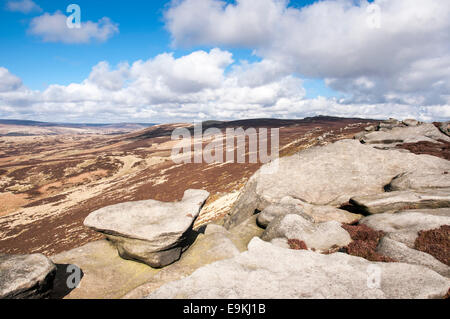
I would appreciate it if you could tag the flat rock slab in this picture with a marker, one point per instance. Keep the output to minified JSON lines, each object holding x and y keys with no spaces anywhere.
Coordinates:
{"x":329,"y":175}
{"x":150,"y":231}
{"x":319,"y":236}
{"x":402,"y":253}
{"x":105,"y":275}
{"x":410,"y":134}
{"x":405,"y":227}
{"x":26,"y":276}
{"x":402,"y":200}
{"x":266,"y":271}
{"x":418,"y":180}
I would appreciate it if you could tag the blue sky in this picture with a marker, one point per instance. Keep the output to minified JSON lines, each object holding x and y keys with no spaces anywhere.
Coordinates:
{"x":331,"y":71}
{"x":142,"y":35}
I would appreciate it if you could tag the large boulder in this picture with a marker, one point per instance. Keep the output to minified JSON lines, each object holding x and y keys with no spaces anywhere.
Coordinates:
{"x":26,"y":276}
{"x":394,"y":201}
{"x":266,"y":271}
{"x":327,"y":175}
{"x":405,"y":226}
{"x":318,"y":236}
{"x":402,"y":253}
{"x":150,"y":231}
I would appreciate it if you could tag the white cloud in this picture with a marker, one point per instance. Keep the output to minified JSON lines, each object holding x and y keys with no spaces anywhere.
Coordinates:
{"x":53,"y":28}
{"x":24,"y":6}
{"x":201,"y":85}
{"x":9,"y":82}
{"x":406,"y":60}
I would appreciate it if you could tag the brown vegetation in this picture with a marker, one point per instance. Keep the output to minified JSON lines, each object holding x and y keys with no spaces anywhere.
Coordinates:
{"x":435,"y":242}
{"x":365,"y":242}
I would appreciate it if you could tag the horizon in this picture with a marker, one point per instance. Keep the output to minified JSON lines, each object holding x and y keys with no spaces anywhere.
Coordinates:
{"x":163,"y":62}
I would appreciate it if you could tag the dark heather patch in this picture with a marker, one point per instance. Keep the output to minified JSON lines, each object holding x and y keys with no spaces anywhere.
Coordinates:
{"x":435,"y":242}
{"x":441,"y":149}
{"x":297,"y":244}
{"x":365,"y":242}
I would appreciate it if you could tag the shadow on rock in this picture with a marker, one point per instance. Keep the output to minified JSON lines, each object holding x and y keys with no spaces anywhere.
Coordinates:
{"x":66,"y":280}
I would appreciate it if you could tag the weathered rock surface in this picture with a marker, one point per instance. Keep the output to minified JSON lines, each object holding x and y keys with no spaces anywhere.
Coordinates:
{"x":108,"y":276}
{"x":321,"y":236}
{"x":328,"y":175}
{"x":26,"y":276}
{"x":437,"y":211}
{"x":150,"y":231}
{"x":272,"y":211}
{"x":445,"y":128}
{"x":403,"y":253}
{"x":411,"y":122}
{"x":216,"y":244}
{"x":394,"y":201}
{"x":410,"y":134}
{"x":322,"y":213}
{"x":266,"y":271}
{"x":418,"y":180}
{"x":404,"y":227}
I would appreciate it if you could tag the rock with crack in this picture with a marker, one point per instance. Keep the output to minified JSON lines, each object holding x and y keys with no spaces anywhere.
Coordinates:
{"x":314,"y":213}
{"x":417,"y":180}
{"x":321,"y":237}
{"x":26,"y":276}
{"x":150,"y":231}
{"x":410,"y":134}
{"x":322,"y":213}
{"x":394,"y":201}
{"x":405,"y":227}
{"x":327,"y":175}
{"x":266,"y":271}
{"x":404,"y":254}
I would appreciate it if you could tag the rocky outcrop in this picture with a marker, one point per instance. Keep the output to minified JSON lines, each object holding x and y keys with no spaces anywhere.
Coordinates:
{"x":404,"y":254}
{"x":411,"y":122}
{"x":405,"y":227}
{"x":267,"y":271}
{"x":410,"y":134}
{"x":26,"y":276}
{"x":329,"y":175}
{"x":150,"y":231}
{"x":394,"y":201}
{"x":318,"y":236}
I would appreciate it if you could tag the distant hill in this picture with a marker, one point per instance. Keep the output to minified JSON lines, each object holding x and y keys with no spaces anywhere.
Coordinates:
{"x":33,"y":128}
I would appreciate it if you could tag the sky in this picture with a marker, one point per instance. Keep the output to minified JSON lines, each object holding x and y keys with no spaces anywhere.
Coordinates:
{"x":193,"y":60}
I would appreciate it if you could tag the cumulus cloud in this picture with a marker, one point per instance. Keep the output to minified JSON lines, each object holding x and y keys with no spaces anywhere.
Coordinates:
{"x":198,"y":86}
{"x":9,"y":82}
{"x":53,"y":28}
{"x":404,"y":61}
{"x":23,"y":6}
